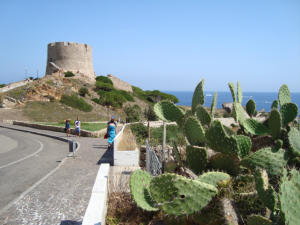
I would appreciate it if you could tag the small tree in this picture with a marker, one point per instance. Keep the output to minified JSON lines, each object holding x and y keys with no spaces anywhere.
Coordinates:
{"x":83,"y":91}
{"x":150,"y":114}
{"x":133,"y":113}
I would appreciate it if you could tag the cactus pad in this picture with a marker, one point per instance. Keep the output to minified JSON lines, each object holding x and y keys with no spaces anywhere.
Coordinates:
{"x":203,"y":116}
{"x":178,"y":195}
{"x":258,"y":220}
{"x":239,"y":93}
{"x":213,"y":105}
{"x":273,"y":161}
{"x":224,"y":162}
{"x":289,"y":112}
{"x":274,"y":123}
{"x":177,"y":154}
{"x":239,"y":113}
{"x":251,"y":107}
{"x":244,"y":145}
{"x":198,"y":96}
{"x":139,"y":188}
{"x":294,"y":140}
{"x":168,"y":111}
{"x":214,"y":178}
{"x":275,"y":104}
{"x":284,"y":95}
{"x":196,"y":158}
{"x":232,"y":90}
{"x":194,"y":131}
{"x":255,"y":127}
{"x":289,"y":196}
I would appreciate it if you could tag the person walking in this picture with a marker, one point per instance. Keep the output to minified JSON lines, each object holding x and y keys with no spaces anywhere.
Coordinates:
{"x":111,"y":131}
{"x":77,"y":127}
{"x":67,"y":127}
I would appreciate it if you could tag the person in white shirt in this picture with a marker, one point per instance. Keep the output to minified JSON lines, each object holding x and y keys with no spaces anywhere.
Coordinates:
{"x":77,"y":127}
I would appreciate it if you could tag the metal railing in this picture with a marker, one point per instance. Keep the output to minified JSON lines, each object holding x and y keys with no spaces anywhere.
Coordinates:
{"x":153,"y":165}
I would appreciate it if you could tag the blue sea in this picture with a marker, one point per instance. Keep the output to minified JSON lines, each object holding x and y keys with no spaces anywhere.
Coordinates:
{"x":263,"y":100}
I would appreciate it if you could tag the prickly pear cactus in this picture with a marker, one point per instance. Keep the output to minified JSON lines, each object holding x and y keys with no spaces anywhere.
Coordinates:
{"x":178,"y":195}
{"x":198,"y":96}
{"x":177,"y":154}
{"x":289,"y":196}
{"x":224,"y":162}
{"x":214,"y":178}
{"x":139,"y":189}
{"x":289,"y":112}
{"x":265,"y":192}
{"x":274,"y":123}
{"x":218,"y":140}
{"x":255,"y":127}
{"x":244,"y":145}
{"x":239,"y":93}
{"x":168,"y":111}
{"x":232,"y":90}
{"x":273,"y":161}
{"x":203,"y":116}
{"x":239,"y":113}
{"x":194,"y":131}
{"x":275,"y":104}
{"x":213,"y":105}
{"x":196,"y":158}
{"x":251,"y":107}
{"x":284,"y":95}
{"x":294,"y":140}
{"x":258,"y":220}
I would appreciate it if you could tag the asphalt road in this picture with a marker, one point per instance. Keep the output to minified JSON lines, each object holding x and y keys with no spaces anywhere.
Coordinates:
{"x":24,"y":159}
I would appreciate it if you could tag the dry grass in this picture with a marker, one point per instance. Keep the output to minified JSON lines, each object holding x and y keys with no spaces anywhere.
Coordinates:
{"x":127,"y":141}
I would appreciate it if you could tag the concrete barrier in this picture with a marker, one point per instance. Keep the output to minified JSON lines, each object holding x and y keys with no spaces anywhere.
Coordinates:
{"x":95,"y":213}
{"x":83,"y":133}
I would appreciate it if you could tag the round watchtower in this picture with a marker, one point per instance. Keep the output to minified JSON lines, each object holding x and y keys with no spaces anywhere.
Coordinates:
{"x":69,"y":56}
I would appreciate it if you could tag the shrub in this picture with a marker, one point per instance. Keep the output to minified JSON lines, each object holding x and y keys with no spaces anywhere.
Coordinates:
{"x":139,"y":131}
{"x":104,"y":86}
{"x":2,"y":85}
{"x":1,"y":98}
{"x":96,"y":100}
{"x":156,"y":96}
{"x":133,"y":113}
{"x":104,"y":79}
{"x":83,"y":91}
{"x":111,"y":99}
{"x":150,"y":114}
{"x":126,"y":95}
{"x":69,"y":74}
{"x":76,"y":102}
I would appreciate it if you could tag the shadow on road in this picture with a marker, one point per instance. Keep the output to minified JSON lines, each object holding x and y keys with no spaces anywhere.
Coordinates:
{"x":70,"y":222}
{"x":108,"y":156}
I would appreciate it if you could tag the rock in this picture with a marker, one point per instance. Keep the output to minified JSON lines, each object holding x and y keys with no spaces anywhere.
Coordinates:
{"x":228,"y":106}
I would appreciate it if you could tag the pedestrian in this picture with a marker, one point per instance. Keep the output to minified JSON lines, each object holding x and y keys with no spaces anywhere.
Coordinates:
{"x":111,"y":131}
{"x":77,"y":127}
{"x":67,"y":127}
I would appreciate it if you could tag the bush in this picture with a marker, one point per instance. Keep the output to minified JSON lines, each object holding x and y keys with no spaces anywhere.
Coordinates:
{"x":104,"y":86}
{"x":173,"y":135}
{"x":133,"y":113}
{"x":150,"y":114}
{"x":83,"y":91}
{"x":156,"y":96}
{"x":111,"y":99}
{"x":2,"y":85}
{"x":104,"y":79}
{"x":76,"y":102}
{"x":139,"y":131}
{"x":69,"y":74}
{"x":126,"y":95}
{"x":1,"y":98}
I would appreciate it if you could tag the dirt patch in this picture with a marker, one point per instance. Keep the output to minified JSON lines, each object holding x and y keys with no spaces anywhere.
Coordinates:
{"x":12,"y":114}
{"x":127,"y":141}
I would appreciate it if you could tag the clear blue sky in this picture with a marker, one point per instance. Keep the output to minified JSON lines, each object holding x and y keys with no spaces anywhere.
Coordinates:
{"x":161,"y":44}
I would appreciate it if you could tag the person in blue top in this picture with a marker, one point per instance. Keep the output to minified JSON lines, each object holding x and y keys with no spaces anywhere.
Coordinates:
{"x":67,"y":127}
{"x":111,"y":131}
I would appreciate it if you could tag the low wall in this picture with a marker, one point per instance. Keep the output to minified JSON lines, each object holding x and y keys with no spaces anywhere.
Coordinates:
{"x":14,"y":85}
{"x":83,"y":133}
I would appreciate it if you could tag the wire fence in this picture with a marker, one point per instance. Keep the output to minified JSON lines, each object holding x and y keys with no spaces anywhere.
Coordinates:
{"x":153,"y":165}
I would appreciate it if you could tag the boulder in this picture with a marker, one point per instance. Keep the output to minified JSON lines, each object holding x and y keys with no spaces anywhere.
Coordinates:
{"x":228,"y":106}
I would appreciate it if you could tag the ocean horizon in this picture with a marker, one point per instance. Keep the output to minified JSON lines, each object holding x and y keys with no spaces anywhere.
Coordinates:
{"x":263,"y":100}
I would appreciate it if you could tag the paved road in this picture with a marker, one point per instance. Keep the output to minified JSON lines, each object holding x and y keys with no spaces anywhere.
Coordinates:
{"x":24,"y":159}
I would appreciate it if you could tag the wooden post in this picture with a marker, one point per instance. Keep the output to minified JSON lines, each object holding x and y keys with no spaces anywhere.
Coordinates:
{"x":148,"y":131}
{"x":164,"y":147}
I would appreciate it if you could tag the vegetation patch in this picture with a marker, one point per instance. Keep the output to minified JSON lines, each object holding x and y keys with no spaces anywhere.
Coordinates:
{"x":69,"y":74}
{"x":133,"y":113}
{"x":2,"y":85}
{"x":75,"y":102}
{"x":83,"y":91}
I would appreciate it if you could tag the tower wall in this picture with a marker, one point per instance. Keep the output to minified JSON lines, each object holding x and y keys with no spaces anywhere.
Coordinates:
{"x":68,"y":56}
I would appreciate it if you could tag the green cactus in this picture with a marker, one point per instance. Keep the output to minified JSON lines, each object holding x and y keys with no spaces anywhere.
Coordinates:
{"x":177,"y":154}
{"x":284,"y":95}
{"x":258,"y":220}
{"x":227,"y":163}
{"x":139,"y":188}
{"x":294,"y":140}
{"x":168,"y":111}
{"x":232,"y":90}
{"x":273,"y":161}
{"x":213,"y":105}
{"x":251,"y":107}
{"x":266,"y":193}
{"x":289,"y":112}
{"x":214,"y":178}
{"x":278,"y":144}
{"x":255,"y":127}
{"x":289,"y":196}
{"x":274,"y":123}
{"x":178,"y":195}
{"x":239,"y":93}
{"x":196,"y":158}
{"x":194,"y":131}
{"x":198,"y":96}
{"x":218,"y":140}
{"x":275,"y":104}
{"x":239,"y":113}
{"x":203,"y":116}
{"x":244,"y":145}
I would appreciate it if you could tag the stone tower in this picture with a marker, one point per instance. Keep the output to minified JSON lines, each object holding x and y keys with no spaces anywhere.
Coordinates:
{"x":69,"y":56}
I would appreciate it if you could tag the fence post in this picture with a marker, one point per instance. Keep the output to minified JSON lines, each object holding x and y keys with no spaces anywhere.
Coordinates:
{"x":147,"y":157}
{"x":164,"y":147}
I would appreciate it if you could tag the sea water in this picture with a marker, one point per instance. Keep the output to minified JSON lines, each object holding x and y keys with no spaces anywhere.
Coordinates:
{"x":263,"y":100}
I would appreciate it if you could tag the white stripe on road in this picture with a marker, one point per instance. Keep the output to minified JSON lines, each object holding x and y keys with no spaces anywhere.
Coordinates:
{"x":26,"y":157}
